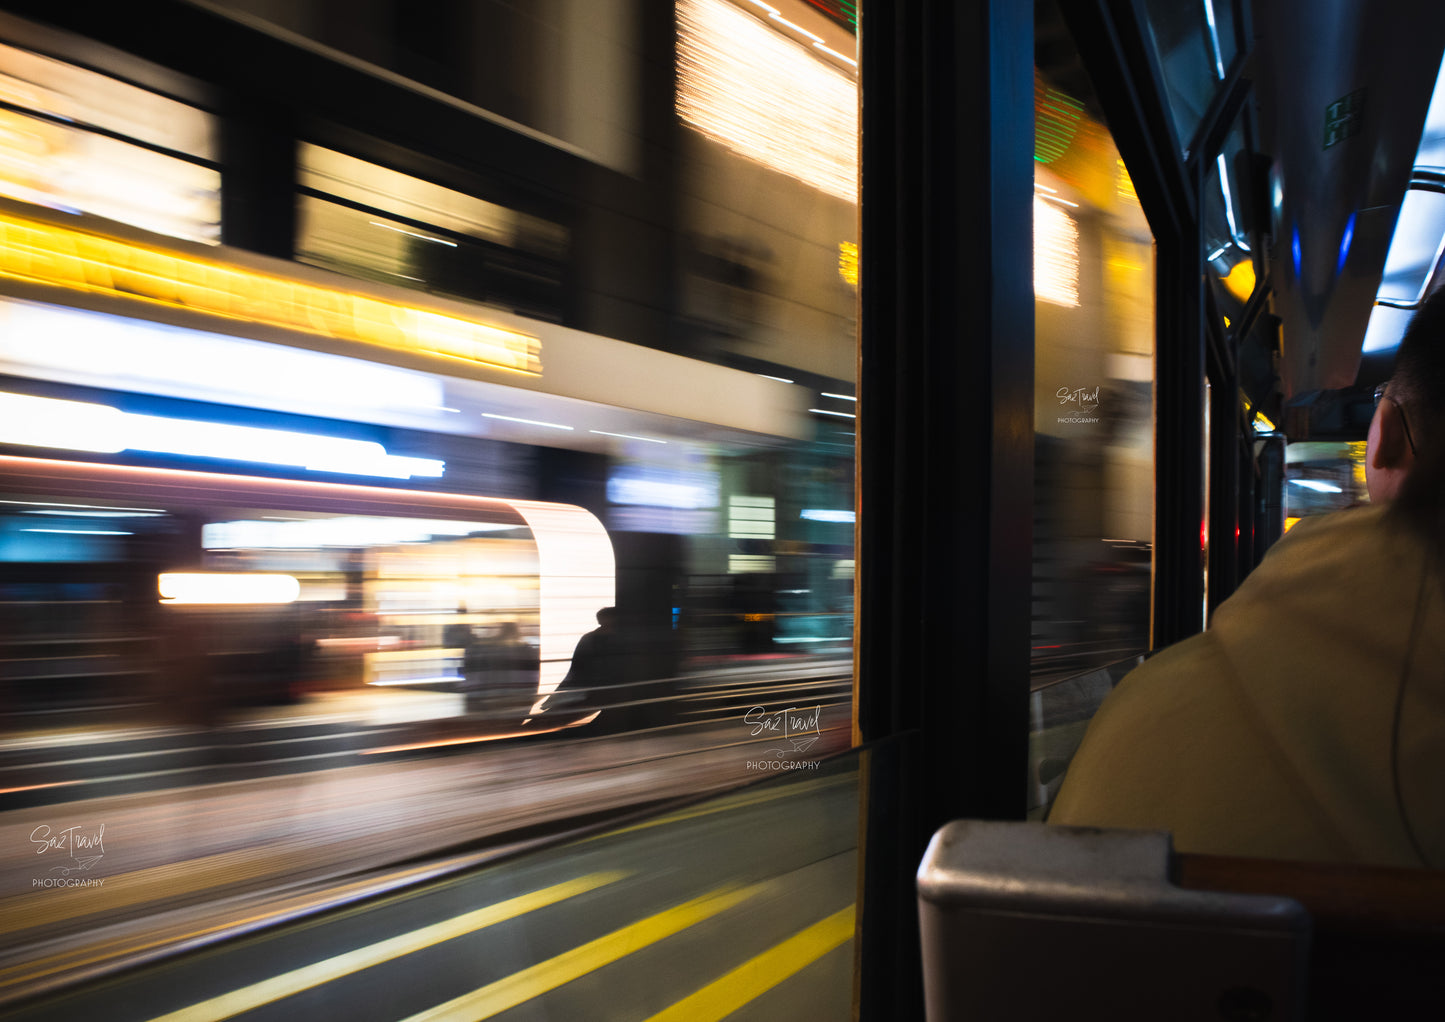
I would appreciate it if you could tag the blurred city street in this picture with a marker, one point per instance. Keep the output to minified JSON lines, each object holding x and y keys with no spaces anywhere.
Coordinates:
{"x":88,"y":883}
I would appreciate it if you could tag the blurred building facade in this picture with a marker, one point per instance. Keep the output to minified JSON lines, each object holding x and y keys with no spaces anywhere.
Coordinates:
{"x":566,"y":178}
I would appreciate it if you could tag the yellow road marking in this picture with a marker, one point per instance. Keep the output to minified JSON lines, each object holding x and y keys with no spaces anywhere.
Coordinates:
{"x":294,"y":982}
{"x":495,"y":998}
{"x":93,"y":954}
{"x":734,"y":802}
{"x":758,"y":975}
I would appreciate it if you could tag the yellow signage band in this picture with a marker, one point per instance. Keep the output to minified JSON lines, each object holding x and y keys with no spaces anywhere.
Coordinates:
{"x":36,"y":252}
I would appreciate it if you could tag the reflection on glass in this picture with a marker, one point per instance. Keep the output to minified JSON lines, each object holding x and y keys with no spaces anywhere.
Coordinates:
{"x":1194,"y":47}
{"x":1094,"y":371}
{"x":1059,"y":714}
{"x":732,"y":69}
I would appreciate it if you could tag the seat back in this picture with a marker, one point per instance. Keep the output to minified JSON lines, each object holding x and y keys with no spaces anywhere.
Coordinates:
{"x":1024,"y":921}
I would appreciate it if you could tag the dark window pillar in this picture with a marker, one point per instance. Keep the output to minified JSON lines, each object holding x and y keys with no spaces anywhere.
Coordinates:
{"x":945,"y":455}
{"x":258,"y":178}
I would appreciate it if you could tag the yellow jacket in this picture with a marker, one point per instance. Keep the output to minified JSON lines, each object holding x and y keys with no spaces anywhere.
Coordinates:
{"x":1273,"y":733}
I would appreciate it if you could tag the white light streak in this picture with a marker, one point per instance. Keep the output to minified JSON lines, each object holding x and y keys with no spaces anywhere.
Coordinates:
{"x":826,"y":515}
{"x":98,"y":510}
{"x":732,"y":71}
{"x":780,"y":379}
{"x":834,"y":53}
{"x":97,"y":514}
{"x":1056,"y":255}
{"x":841,"y":415}
{"x":1214,"y":39}
{"x":413,"y":234}
{"x":345,"y":531}
{"x":796,"y":28}
{"x":840,"y":397}
{"x":628,"y":436}
{"x":83,"y":426}
{"x":97,"y":349}
{"x":1228,"y":199}
{"x":206,"y":588}
{"x":84,"y":532}
{"x":1317,"y":486}
{"x":529,"y":422}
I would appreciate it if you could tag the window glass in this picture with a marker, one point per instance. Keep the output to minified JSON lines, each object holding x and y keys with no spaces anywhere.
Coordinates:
{"x":51,"y":153}
{"x":1094,"y":373}
{"x":369,"y":221}
{"x":1192,"y":54}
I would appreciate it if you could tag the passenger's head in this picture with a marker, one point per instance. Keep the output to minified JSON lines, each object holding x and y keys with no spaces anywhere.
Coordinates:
{"x":1410,"y":412}
{"x":607,"y":617}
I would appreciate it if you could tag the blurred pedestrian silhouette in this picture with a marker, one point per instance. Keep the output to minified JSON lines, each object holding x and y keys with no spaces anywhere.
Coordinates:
{"x":599,"y":663}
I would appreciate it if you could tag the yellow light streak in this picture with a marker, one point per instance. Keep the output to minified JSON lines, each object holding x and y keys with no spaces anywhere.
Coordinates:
{"x":848,"y":262}
{"x":35,"y":252}
{"x":287,"y":984}
{"x":761,"y":973}
{"x":495,"y":998}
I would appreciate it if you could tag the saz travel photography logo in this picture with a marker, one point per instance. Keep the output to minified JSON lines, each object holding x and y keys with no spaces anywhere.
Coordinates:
{"x":1083,"y":403}
{"x":70,"y":853}
{"x":796,"y":730}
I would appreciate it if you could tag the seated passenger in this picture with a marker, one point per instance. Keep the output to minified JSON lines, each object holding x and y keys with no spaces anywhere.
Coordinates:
{"x":1308,"y":721}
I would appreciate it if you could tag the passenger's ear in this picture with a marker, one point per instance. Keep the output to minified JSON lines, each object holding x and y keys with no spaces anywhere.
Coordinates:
{"x":1393,"y":448}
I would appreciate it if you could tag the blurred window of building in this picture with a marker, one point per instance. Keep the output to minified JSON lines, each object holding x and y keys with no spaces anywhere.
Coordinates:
{"x":369,"y":221}
{"x":751,"y":518}
{"x":77,"y":140}
{"x":564,"y":71}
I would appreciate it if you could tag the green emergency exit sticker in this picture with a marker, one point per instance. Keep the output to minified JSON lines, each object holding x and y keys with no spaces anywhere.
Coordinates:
{"x":1343,"y":117}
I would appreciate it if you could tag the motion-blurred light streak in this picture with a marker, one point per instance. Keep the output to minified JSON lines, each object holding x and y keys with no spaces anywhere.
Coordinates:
{"x":83,"y":426}
{"x":1056,"y":255}
{"x":766,"y":97}
{"x":227,"y":588}
{"x":35,"y":252}
{"x":98,"y":349}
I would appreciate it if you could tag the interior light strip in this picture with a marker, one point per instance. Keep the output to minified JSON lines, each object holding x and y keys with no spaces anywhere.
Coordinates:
{"x":82,"y":426}
{"x":36,"y":252}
